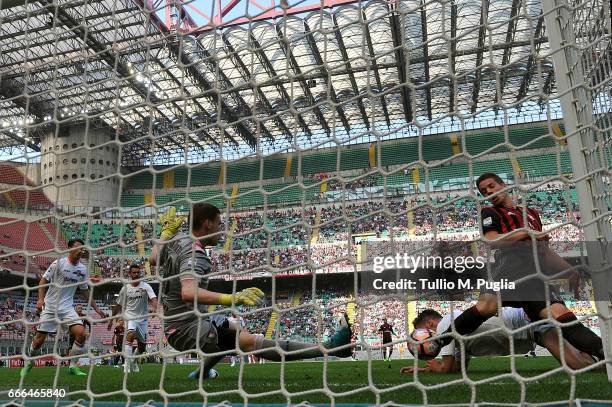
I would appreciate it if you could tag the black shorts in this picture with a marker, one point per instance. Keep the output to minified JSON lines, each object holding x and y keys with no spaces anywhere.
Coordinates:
{"x":387,"y":341}
{"x":520,"y":262}
{"x":519,"y":265}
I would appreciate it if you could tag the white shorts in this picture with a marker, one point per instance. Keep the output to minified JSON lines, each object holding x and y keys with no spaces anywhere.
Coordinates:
{"x":140,"y":328}
{"x":515,"y":318}
{"x":49,"y":320}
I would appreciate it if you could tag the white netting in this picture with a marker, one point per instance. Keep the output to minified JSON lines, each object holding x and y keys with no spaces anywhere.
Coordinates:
{"x":329,"y":134}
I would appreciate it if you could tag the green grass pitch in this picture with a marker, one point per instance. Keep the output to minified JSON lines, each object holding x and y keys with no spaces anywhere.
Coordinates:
{"x":350,"y":381}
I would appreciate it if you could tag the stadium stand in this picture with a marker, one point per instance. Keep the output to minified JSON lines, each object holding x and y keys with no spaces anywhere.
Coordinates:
{"x":435,"y":149}
{"x":19,"y":192}
{"x":31,"y":236}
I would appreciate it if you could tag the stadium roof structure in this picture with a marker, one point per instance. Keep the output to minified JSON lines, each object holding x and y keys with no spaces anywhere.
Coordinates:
{"x":177,"y":88}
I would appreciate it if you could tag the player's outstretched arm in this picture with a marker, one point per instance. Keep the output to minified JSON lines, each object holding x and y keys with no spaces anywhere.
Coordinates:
{"x":90,"y":300}
{"x":41,"y":294}
{"x":505,"y":239}
{"x":448,"y":364}
{"x":116,"y":309}
{"x":153,"y":304}
{"x":190,"y":291}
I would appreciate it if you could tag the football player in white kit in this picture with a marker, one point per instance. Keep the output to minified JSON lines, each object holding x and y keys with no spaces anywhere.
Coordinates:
{"x":135,"y":299}
{"x":492,"y":340}
{"x":56,"y":305}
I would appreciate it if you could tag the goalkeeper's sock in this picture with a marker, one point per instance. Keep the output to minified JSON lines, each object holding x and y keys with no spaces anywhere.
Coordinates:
{"x":76,"y":350}
{"x":581,"y":337}
{"x":466,"y":323}
{"x":307,"y":350}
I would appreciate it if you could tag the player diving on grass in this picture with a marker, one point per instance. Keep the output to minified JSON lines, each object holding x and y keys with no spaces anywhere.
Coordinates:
{"x":509,"y":229}
{"x":185,"y":266}
{"x":135,"y":298}
{"x":492,"y":340}
{"x":56,"y":305}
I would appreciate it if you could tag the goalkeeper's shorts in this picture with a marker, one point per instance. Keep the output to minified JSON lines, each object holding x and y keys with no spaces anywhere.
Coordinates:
{"x":197,"y":333}
{"x":193,"y":334}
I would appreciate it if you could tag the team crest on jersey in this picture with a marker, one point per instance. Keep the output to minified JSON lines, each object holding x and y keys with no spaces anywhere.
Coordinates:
{"x":487,"y":221}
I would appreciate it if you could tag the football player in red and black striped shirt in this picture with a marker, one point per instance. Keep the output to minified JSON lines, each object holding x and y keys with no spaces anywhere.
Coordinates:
{"x":386,"y":330}
{"x":505,"y":226}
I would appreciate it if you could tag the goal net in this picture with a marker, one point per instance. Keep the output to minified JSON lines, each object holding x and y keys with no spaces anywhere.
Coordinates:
{"x":341,"y":141}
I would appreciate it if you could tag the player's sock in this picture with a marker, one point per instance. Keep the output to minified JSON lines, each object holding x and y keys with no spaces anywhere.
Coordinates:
{"x":128,"y":354}
{"x":466,"y":323}
{"x":581,"y":337}
{"x":29,"y":363}
{"x":76,"y":350}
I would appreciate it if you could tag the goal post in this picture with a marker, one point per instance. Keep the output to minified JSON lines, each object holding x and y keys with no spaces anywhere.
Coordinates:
{"x":585,"y":139}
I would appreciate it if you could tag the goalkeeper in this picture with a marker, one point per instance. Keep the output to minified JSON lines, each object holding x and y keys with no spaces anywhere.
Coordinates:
{"x":184,"y":265}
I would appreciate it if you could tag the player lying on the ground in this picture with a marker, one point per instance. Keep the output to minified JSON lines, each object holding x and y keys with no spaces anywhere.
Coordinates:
{"x":135,"y":298}
{"x":184,"y":265}
{"x":509,"y":228}
{"x":56,"y":305}
{"x":495,"y":342}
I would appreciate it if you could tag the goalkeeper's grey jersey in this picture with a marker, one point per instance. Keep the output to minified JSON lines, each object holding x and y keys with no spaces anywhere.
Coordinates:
{"x":134,"y":301}
{"x":182,"y":259}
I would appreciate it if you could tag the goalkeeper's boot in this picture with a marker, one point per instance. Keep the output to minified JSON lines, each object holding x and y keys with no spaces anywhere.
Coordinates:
{"x":341,"y":337}
{"x":26,"y":368}
{"x":75,"y":371}
{"x":134,"y":366}
{"x":212,"y":374}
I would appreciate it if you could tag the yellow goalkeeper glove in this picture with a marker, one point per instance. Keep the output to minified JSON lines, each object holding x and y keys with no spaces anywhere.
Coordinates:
{"x":170,"y":224}
{"x":249,"y":296}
